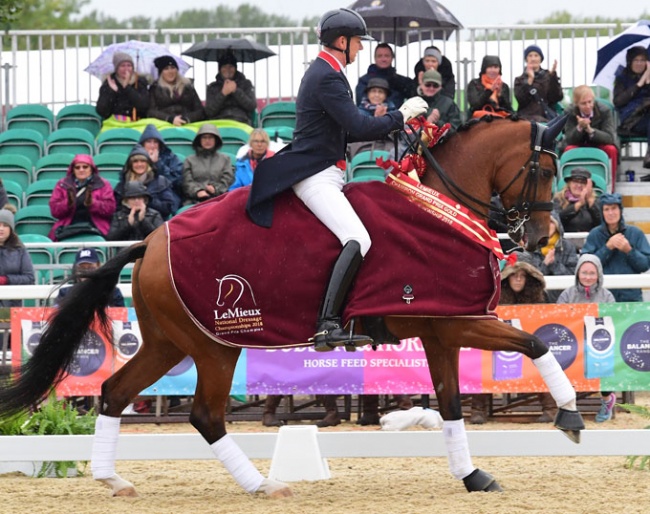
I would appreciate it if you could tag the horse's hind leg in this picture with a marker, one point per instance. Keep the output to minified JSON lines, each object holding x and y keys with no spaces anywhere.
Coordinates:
{"x":156,"y":356}
{"x":215,"y":369}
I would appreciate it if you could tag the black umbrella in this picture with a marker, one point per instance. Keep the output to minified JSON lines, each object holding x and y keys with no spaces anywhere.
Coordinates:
{"x":244,"y":50}
{"x":404,"y":21}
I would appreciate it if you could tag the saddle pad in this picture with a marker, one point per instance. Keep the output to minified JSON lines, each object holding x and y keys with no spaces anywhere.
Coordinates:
{"x":255,"y":287}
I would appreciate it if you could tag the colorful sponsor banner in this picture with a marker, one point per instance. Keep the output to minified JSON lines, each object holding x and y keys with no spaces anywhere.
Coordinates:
{"x":600,"y":347}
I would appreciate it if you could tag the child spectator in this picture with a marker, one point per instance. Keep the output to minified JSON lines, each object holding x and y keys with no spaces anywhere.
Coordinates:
{"x":375,"y":101}
{"x":140,"y":168}
{"x":134,"y":220}
{"x":589,"y":289}
{"x":82,"y":201}
{"x":208,"y":173}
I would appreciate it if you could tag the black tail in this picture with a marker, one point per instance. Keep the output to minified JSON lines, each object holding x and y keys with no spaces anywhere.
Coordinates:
{"x":65,"y":330}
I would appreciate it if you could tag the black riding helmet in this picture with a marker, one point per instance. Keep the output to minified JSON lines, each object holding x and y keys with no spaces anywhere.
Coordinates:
{"x":341,"y":22}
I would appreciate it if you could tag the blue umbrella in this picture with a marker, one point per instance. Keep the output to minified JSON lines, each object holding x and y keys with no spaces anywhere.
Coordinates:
{"x":611,"y":57}
{"x":143,"y":54}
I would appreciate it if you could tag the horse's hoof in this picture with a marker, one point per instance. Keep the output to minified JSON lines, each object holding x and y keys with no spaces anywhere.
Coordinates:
{"x":479,"y":480}
{"x":127,"y":492}
{"x":570,"y":422}
{"x":274,"y":488}
{"x":119,"y":486}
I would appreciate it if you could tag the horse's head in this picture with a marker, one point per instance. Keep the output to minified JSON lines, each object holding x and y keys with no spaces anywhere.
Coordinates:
{"x":231,"y":290}
{"x":526,"y":194}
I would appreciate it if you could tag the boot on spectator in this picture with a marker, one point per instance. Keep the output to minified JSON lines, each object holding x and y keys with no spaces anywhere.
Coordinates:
{"x":479,"y":409}
{"x":270,"y":406}
{"x":549,"y":408}
{"x":332,"y":417}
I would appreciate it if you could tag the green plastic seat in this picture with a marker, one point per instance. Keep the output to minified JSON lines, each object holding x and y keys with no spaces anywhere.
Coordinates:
{"x":71,"y":140}
{"x":117,"y":140}
{"x":34,"y":219}
{"x":280,"y":132}
{"x":39,"y":254}
{"x":54,"y":166}
{"x":26,"y":142}
{"x":83,"y":116}
{"x":17,"y":168}
{"x":278,"y":114}
{"x":233,"y":139}
{"x":592,"y":159}
{"x":179,"y":140}
{"x":31,"y":116}
{"x":15,"y":193}
{"x":40,"y":192}
{"x":110,"y":165}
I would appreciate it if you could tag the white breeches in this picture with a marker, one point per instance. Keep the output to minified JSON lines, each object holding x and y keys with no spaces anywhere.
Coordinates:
{"x":322,"y":195}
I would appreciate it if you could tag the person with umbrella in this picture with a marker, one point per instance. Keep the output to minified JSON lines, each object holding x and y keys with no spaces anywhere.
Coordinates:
{"x":172,"y":96}
{"x":313,"y":165}
{"x":231,"y":96}
{"x":632,"y":96}
{"x":123,"y":93}
{"x":401,"y":87}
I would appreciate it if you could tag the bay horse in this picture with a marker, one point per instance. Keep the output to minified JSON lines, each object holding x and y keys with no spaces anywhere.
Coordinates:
{"x":512,"y":157}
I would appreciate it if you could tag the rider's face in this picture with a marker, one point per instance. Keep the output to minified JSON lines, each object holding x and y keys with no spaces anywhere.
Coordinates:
{"x":355,"y":47}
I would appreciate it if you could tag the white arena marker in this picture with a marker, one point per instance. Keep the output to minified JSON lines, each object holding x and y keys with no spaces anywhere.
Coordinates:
{"x":297,"y":455}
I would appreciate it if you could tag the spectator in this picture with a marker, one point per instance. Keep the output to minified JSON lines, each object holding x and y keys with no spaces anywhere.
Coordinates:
{"x":632,"y":97}
{"x":375,"y":102}
{"x":139,"y":167}
{"x":442,"y":109}
{"x":231,"y":96}
{"x":537,"y":90}
{"x":82,"y":201}
{"x":134,"y":220}
{"x":589,"y":289}
{"x":87,"y":260}
{"x":558,"y":257}
{"x":123,"y":94}
{"x":521,"y":283}
{"x":16,"y":266}
{"x":400,"y":87}
{"x":172,"y":96}
{"x":623,"y":249}
{"x":208,"y":173}
{"x":259,"y":150}
{"x":591,"y":123}
{"x":166,"y":162}
{"x":434,"y":60}
{"x":488,"y":91}
{"x":577,"y":203}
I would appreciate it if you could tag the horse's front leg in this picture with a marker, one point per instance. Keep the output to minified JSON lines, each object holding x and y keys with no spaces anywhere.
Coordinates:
{"x":494,"y":335}
{"x":443,"y":366}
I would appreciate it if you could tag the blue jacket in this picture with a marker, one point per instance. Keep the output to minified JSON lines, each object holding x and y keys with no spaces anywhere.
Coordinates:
{"x":168,"y":165}
{"x":401,"y":88}
{"x":327,"y":119}
{"x":616,"y":262}
{"x":16,"y":265}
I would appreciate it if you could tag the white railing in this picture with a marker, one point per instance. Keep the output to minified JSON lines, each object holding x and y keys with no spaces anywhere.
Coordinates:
{"x":47,"y":66}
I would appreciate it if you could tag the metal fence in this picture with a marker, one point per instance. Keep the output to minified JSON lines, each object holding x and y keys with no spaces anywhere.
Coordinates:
{"x":46,"y":67}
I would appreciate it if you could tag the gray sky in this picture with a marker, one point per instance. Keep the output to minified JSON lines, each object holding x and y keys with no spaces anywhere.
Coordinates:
{"x":468,"y":12}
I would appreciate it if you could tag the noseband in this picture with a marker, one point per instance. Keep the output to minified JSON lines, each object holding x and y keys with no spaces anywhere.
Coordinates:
{"x":519,"y":213}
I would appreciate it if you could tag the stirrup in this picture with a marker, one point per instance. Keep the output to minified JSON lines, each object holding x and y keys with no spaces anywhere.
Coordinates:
{"x":331,"y":335}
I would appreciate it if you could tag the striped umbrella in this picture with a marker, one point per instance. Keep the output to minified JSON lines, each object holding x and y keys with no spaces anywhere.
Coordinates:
{"x":611,"y":57}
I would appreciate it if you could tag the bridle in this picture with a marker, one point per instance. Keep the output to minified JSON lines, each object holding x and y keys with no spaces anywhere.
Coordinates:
{"x":519,"y":213}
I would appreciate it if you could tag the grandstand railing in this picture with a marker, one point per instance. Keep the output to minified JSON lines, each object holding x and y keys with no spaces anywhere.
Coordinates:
{"x":46,"y":67}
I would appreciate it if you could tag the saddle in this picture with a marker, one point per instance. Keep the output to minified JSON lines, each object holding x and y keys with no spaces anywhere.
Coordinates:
{"x":254,"y":287}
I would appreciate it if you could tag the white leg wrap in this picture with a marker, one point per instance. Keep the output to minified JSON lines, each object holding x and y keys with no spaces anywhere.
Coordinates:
{"x":102,"y":460}
{"x":558,"y":383}
{"x":237,"y":464}
{"x":460,"y":462}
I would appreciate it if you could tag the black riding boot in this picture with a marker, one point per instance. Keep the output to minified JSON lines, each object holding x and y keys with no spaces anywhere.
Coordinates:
{"x":329,"y":327}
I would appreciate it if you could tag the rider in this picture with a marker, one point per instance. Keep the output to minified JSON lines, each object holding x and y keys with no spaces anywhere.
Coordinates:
{"x":314,"y":163}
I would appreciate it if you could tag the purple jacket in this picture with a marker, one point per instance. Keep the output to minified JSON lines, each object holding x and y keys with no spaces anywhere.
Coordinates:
{"x":102,"y":204}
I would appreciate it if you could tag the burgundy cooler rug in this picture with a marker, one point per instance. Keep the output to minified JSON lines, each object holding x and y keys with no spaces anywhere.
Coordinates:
{"x":255,"y":287}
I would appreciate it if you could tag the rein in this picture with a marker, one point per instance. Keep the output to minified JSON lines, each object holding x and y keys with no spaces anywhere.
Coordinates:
{"x":518,"y":214}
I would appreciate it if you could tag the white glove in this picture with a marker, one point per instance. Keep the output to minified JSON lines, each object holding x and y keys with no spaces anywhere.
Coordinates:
{"x":413,"y":107}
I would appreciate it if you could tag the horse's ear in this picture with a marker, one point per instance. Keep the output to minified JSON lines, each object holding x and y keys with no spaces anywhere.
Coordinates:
{"x":553,"y":128}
